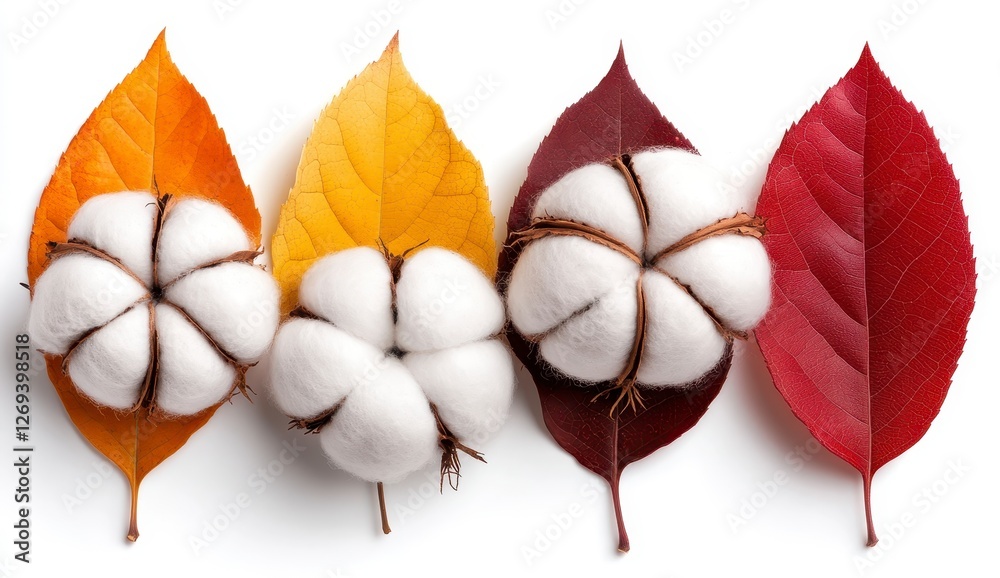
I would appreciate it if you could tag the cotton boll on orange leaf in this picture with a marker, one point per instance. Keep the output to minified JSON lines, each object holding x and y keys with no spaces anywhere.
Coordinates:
{"x":153,"y":132}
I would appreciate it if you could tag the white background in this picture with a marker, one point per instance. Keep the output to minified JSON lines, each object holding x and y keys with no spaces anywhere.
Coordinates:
{"x":260,"y":61}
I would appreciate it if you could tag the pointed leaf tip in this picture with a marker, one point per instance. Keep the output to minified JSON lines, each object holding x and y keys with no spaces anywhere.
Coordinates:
{"x":868,"y":58}
{"x":619,"y":64}
{"x":393,"y":43}
{"x":159,"y":46}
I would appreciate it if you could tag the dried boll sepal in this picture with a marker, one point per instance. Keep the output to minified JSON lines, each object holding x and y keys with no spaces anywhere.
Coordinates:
{"x":177,"y":345}
{"x":393,"y":360}
{"x":639,"y":271}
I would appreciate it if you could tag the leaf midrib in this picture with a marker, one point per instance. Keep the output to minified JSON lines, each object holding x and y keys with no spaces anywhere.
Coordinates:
{"x":864,"y":279}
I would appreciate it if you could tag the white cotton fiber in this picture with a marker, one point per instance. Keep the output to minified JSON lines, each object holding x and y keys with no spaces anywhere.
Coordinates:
{"x":236,"y":304}
{"x":193,"y":375}
{"x":76,"y":293}
{"x":381,"y":377}
{"x":471,"y":385}
{"x":352,"y":290}
{"x":560,"y":289}
{"x":681,"y":342}
{"x":314,"y":365}
{"x":120,"y":224}
{"x":384,"y":430}
{"x":443,"y":300}
{"x":595,"y":195}
{"x":730,"y":274}
{"x":110,"y":365}
{"x":595,"y":344}
{"x":556,"y":277}
{"x":195,"y":232}
{"x":683,"y":193}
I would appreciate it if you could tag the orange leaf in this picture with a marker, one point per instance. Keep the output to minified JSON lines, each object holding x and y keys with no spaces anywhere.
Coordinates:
{"x":132,"y":441}
{"x":153,"y":127}
{"x":152,"y":131}
{"x":381,"y":165}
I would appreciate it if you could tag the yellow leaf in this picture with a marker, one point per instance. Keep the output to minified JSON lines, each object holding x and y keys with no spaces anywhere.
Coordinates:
{"x":382,"y":165}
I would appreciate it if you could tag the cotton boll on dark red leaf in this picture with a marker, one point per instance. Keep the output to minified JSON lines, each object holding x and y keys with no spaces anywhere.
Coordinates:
{"x":596,"y":422}
{"x":874,"y":276}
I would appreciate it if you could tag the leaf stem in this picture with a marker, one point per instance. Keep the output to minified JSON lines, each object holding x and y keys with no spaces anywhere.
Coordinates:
{"x":133,"y":523}
{"x":381,"y":506}
{"x":623,"y":545}
{"x":872,"y":538}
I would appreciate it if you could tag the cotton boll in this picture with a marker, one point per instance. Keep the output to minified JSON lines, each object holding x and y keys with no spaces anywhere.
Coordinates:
{"x":314,"y":365}
{"x":192,"y":375}
{"x":730,"y":274}
{"x":384,"y":430}
{"x":682,"y":342}
{"x":471,"y":385}
{"x":121,"y":225}
{"x":556,"y":277}
{"x":195,"y":232}
{"x":353,"y":290}
{"x":561,"y":292}
{"x":443,"y":300}
{"x":596,"y":195}
{"x":683,"y":194}
{"x":595,"y":344}
{"x":76,"y":293}
{"x":235,"y":303}
{"x":110,"y":365}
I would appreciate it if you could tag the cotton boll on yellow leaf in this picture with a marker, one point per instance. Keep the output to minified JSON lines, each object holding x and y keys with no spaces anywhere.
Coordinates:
{"x":387,"y":402}
{"x":382,"y":166}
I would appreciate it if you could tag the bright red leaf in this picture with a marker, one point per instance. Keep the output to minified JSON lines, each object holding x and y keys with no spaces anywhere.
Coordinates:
{"x":612,"y":120}
{"x":874,"y":278}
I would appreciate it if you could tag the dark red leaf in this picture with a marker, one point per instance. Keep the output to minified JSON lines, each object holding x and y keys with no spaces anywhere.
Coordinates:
{"x":612,"y":120}
{"x":874,"y":278}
